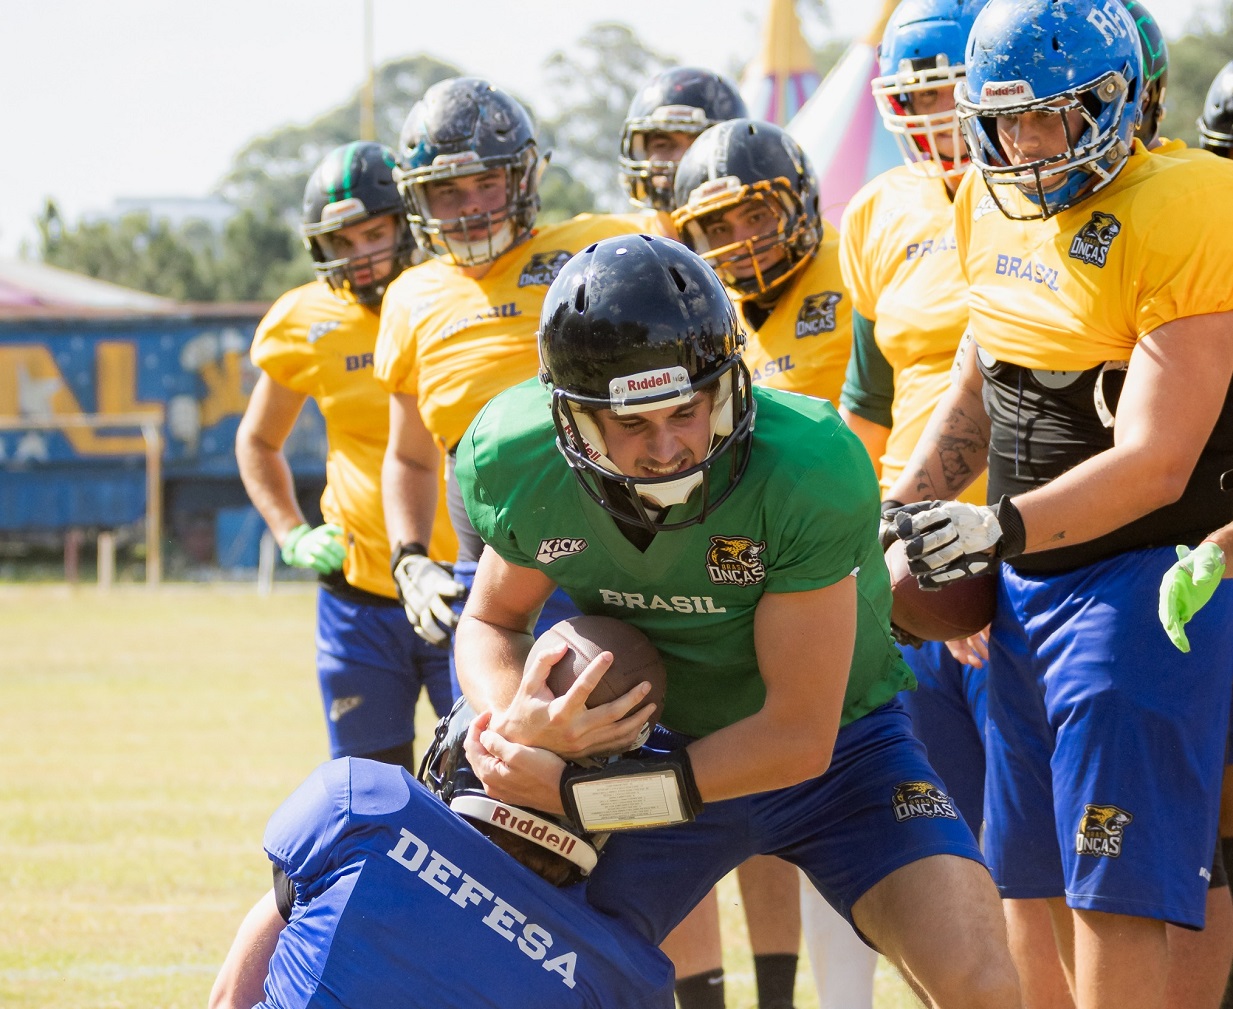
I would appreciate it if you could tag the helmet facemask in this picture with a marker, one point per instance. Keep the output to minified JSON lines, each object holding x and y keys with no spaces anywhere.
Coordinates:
{"x":340,"y":272}
{"x":917,"y":134}
{"x":796,"y":234}
{"x":648,"y":182}
{"x":1094,"y":154}
{"x":644,"y":500}
{"x":474,"y":239}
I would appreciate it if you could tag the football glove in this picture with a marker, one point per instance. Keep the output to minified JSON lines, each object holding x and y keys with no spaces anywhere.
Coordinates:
{"x":1186,"y":588}
{"x":886,"y":524}
{"x":950,"y":540}
{"x":319,"y":549}
{"x":425,"y":589}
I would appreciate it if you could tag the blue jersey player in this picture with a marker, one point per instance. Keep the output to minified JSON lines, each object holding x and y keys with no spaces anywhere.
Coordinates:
{"x":639,"y":484}
{"x":376,"y":877}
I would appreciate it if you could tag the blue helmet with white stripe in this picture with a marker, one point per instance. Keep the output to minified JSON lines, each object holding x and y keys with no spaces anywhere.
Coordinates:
{"x":1078,"y":57}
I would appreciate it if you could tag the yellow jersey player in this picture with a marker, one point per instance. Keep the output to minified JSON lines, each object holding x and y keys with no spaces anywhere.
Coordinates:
{"x":461,"y":327}
{"x":664,"y":118}
{"x":1094,"y":386}
{"x":747,"y":202}
{"x":318,"y":341}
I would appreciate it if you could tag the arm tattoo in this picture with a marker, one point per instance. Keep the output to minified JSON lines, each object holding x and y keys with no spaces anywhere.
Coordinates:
{"x":963,"y":449}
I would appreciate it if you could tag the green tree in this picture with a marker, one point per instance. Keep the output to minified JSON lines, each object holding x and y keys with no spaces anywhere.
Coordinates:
{"x":272,"y":170}
{"x":593,"y":84}
{"x":1194,"y":61}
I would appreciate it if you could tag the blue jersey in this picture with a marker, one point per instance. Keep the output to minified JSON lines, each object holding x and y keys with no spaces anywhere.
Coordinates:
{"x":399,"y":901}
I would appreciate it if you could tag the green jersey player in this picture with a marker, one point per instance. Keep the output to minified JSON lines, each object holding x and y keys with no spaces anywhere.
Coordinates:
{"x":638,"y":482}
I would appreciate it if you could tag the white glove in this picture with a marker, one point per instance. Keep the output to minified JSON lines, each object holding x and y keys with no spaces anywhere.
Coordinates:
{"x":424,"y":589}
{"x":952,"y":540}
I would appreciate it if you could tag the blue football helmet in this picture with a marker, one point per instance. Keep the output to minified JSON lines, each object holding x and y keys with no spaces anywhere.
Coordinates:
{"x":1053,"y":57}
{"x":923,"y":49}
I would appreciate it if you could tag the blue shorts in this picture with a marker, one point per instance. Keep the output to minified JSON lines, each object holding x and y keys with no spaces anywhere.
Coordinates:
{"x":879,"y":807}
{"x":558,"y":607}
{"x":1105,"y":743}
{"x":371,"y":666}
{"x":948,"y":716}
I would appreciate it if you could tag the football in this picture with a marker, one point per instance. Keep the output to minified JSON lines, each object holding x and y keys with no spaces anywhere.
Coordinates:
{"x":960,"y":609}
{"x":634,"y":659}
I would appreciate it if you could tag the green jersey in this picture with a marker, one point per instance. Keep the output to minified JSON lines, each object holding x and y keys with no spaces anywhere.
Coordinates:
{"x":804,"y":516}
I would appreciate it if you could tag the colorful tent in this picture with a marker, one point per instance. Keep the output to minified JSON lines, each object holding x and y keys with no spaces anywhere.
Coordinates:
{"x":780,"y":80}
{"x":840,"y":129}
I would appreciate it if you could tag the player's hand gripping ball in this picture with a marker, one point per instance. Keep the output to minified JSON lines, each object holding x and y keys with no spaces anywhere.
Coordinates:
{"x":956,"y":610}
{"x":634,"y":659}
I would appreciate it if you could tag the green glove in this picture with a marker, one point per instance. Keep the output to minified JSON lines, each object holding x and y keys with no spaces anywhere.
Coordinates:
{"x":1187,"y":586}
{"x":319,"y":549}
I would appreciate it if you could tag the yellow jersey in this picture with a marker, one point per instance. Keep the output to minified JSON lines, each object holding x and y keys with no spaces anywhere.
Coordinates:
{"x":803,"y":345}
{"x":455,"y":342}
{"x":900,"y":261}
{"x":650,"y":222}
{"x":1082,"y":287}
{"x":320,"y":346}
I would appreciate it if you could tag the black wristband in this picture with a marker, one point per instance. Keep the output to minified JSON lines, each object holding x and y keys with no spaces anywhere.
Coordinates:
{"x":407,"y":550}
{"x":1014,"y":536}
{"x":678,"y":804}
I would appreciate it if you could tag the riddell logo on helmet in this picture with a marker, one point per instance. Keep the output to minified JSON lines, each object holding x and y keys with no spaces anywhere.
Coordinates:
{"x":534,"y":828}
{"x":1005,"y":92}
{"x":648,"y":383}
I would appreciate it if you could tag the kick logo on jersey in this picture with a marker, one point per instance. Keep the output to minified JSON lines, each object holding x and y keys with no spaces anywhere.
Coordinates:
{"x":1091,"y":244}
{"x":557,"y":547}
{"x":1101,"y":831}
{"x":735,"y":560}
{"x":542,"y":268}
{"x":817,"y":314}
{"x":910,"y":799}
{"x":319,"y":329}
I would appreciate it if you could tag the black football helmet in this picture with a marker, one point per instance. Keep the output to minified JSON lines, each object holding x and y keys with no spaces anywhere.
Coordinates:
{"x":678,"y":100}
{"x":447,"y":773}
{"x":633,"y":324}
{"x":466,"y":126}
{"x":1155,"y":71}
{"x":1216,"y":123}
{"x":353,"y":183}
{"x":740,"y":161}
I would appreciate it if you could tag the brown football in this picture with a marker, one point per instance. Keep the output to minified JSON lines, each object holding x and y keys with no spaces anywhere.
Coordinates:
{"x":956,"y":611}
{"x":634,"y":659}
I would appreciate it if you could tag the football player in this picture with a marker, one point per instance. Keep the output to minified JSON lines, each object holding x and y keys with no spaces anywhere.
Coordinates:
{"x":1216,"y":123}
{"x":909,"y":309}
{"x":747,"y":202}
{"x":318,"y":341}
{"x":664,"y":118}
{"x":749,"y":555}
{"x":1093,"y":386}
{"x":370,"y":863}
{"x":461,"y":327}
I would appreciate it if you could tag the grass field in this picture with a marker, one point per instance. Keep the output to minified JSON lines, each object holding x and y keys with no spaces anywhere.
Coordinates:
{"x":145,"y":738}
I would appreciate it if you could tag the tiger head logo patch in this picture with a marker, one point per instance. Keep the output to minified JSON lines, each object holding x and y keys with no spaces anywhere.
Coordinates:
{"x":735,"y":560}
{"x":1102,"y":831}
{"x":817,"y":314}
{"x":1091,"y":244}
{"x":542,"y":268}
{"x":910,"y":799}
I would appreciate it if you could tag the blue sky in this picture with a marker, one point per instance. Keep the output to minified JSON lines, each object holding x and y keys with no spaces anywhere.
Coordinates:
{"x":153,"y":97}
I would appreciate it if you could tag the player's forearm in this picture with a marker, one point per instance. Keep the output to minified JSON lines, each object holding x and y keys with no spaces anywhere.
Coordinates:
{"x":409,"y":497}
{"x":872,"y":435}
{"x":952,"y":452}
{"x":270,"y":486}
{"x":1101,"y":494}
{"x":760,"y":753}
{"x":241,"y":980}
{"x":490,"y":661}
